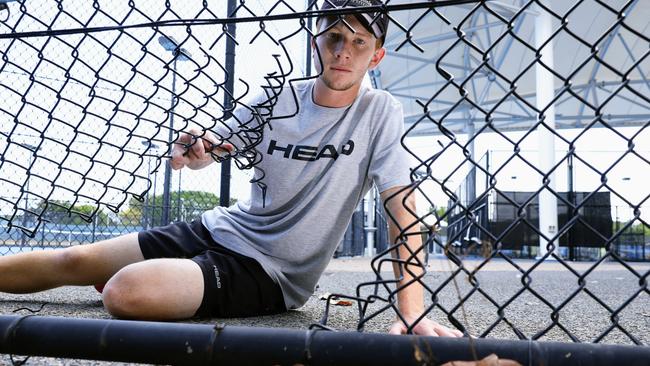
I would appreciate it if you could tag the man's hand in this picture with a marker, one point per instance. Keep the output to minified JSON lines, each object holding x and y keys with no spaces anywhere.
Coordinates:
{"x":199,"y":153}
{"x":425,"y":327}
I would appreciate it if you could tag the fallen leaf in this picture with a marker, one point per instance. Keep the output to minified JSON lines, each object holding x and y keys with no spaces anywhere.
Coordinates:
{"x":341,"y":302}
{"x":335,"y":300}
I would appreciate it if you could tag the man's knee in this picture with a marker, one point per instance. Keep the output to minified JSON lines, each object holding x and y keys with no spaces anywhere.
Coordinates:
{"x":121,"y":296}
{"x":158,"y":289}
{"x":70,"y":261}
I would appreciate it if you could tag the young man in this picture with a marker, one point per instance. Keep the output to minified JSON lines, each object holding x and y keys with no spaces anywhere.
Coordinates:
{"x":265,"y":255}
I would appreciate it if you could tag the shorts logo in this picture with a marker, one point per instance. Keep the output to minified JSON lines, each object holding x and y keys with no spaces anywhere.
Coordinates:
{"x":216,"y":275}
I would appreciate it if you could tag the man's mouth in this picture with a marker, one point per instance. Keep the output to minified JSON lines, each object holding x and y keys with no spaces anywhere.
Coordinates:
{"x":342,"y":69}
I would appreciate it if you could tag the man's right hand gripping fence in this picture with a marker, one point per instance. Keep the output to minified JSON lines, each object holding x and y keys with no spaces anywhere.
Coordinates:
{"x":528,"y":123}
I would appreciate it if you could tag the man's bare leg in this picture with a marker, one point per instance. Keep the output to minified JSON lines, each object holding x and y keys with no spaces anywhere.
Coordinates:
{"x":135,"y":288}
{"x":156,"y":289}
{"x":79,"y":265}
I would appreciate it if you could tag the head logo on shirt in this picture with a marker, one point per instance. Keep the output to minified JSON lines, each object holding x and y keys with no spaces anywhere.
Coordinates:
{"x":310,"y":153}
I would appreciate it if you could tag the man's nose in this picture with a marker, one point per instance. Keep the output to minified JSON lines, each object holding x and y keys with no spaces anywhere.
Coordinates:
{"x":342,"y":49}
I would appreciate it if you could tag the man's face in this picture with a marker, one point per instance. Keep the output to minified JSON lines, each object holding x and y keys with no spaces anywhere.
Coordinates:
{"x":346,"y":55}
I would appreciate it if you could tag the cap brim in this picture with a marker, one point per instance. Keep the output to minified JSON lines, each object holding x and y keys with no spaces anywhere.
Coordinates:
{"x":365,"y":19}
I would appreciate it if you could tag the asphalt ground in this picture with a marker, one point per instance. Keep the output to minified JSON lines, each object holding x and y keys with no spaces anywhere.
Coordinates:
{"x":552,"y":284}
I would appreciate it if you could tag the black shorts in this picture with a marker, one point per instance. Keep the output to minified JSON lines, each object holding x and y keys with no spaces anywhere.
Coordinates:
{"x":234,"y":285}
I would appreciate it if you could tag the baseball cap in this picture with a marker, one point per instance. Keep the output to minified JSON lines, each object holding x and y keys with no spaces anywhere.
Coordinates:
{"x":380,"y":25}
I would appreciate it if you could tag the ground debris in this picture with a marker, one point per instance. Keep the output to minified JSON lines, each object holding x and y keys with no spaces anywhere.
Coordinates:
{"x":335,"y":300}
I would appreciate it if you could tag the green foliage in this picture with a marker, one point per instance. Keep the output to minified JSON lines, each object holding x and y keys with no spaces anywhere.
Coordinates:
{"x":637,"y":228}
{"x":187,"y":206}
{"x":61,"y":212}
{"x":439,"y":211}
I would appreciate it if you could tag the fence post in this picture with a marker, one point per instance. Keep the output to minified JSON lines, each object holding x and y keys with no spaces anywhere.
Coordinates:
{"x":381,"y":241}
{"x":224,"y":193}
{"x":94,"y":228}
{"x":43,"y":234}
{"x":572,"y":200}
{"x":370,"y":223}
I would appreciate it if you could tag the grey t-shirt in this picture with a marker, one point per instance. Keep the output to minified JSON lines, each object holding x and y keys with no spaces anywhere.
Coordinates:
{"x":318,"y":165}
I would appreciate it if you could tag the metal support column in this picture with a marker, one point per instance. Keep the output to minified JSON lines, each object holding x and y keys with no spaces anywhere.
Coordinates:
{"x":167,"y":201}
{"x":370,"y":226}
{"x":571,"y":197}
{"x":545,"y":93}
{"x":470,"y":129}
{"x":308,"y":56}
{"x":471,"y":177}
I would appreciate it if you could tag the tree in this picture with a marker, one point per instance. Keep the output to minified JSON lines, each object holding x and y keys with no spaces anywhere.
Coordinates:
{"x":438,"y":211}
{"x":639,"y":228}
{"x":63,"y":213}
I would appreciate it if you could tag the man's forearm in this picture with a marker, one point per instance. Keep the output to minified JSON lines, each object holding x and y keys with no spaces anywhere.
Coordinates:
{"x":403,"y":231}
{"x":411,"y":296}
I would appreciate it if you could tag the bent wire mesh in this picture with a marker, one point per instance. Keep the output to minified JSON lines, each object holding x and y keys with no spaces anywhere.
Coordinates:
{"x":504,"y":103}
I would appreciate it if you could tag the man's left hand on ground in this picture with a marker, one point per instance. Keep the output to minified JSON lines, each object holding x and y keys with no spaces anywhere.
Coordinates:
{"x":425,"y":327}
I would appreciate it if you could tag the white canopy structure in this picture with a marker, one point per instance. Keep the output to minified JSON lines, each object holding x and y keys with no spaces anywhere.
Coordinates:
{"x":600,"y":54}
{"x":503,"y":66}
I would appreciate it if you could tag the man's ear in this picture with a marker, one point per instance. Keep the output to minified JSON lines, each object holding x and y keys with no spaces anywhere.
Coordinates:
{"x":376,"y":58}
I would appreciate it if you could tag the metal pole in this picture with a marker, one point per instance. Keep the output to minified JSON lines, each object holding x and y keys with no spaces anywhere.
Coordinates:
{"x":310,"y":24}
{"x":487,"y":169}
{"x":617,"y":225}
{"x":370,"y":224}
{"x":43,"y":234}
{"x":145,"y":209}
{"x":92,"y":238}
{"x":178,"y":199}
{"x":204,"y":344}
{"x":23,"y":238}
{"x":224,"y":194}
{"x":153,"y":211}
{"x":168,"y":169}
{"x":471,"y":177}
{"x":545,"y":92}
{"x":572,"y":200}
{"x":24,"y":223}
{"x":470,"y":129}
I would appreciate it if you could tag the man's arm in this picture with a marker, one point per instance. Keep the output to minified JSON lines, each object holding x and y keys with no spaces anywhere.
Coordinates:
{"x":401,"y":211}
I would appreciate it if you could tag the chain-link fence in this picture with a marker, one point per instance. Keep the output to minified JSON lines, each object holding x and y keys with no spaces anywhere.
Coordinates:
{"x":84,"y":83}
{"x":60,"y":228}
{"x":601,"y":214}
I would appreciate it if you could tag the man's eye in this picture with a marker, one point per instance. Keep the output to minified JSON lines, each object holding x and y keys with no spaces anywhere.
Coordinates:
{"x":360,"y":41}
{"x":333,"y":36}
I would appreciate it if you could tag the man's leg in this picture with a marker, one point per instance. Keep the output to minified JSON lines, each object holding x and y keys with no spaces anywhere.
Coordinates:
{"x":135,"y":288}
{"x":79,"y":265}
{"x":156,"y":289}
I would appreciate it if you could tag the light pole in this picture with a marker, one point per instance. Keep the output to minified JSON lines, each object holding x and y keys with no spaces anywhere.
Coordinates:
{"x":23,"y":238}
{"x":179,"y":54}
{"x":145,"y":211}
{"x":626,"y":180}
{"x":178,"y":198}
{"x":571,"y":196}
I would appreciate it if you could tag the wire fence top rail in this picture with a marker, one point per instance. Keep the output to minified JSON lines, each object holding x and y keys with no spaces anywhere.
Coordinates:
{"x":235,"y":19}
